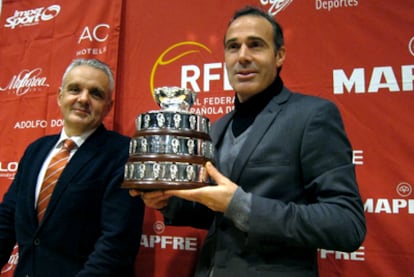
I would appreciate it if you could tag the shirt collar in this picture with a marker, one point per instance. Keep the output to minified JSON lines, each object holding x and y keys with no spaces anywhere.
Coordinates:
{"x":78,"y":140}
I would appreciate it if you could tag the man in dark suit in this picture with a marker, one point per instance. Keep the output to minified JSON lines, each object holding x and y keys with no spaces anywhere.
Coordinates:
{"x":286,"y":184}
{"x":91,"y":227}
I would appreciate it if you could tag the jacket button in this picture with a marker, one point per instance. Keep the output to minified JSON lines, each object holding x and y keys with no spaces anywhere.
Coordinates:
{"x":36,"y":242}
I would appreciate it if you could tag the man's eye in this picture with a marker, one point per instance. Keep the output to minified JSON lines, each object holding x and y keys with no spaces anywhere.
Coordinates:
{"x":97,"y":93}
{"x":232,"y":46}
{"x":256,"y":44}
{"x":73,"y":89}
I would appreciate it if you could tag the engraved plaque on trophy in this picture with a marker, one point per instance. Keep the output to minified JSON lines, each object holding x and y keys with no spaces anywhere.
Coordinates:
{"x":170,"y":146}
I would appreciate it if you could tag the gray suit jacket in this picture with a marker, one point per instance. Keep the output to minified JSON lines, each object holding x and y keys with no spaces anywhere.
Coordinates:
{"x":297,"y":163}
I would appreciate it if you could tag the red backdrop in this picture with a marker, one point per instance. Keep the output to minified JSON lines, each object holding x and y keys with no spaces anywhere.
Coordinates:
{"x":358,"y":53}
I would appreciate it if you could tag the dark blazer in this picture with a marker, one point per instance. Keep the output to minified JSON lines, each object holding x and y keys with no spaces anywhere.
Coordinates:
{"x":297,"y":163}
{"x":92,"y":227}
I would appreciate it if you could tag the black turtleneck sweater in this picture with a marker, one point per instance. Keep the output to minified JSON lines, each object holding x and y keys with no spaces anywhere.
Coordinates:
{"x":246,"y":112}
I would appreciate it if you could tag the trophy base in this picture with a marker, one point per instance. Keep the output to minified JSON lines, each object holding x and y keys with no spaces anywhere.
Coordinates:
{"x":162,"y":185}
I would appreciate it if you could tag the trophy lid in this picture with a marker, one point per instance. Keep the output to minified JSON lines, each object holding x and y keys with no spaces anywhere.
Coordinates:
{"x":174,"y":98}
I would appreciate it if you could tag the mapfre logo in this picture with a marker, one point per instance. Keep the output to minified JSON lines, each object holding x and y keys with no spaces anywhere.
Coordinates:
{"x":158,"y":240}
{"x":411,"y":46}
{"x":404,"y":189}
{"x":25,"y":81}
{"x":373,"y":80}
{"x":403,"y":205}
{"x":158,"y":227}
{"x":276,"y":6}
{"x":32,"y":17}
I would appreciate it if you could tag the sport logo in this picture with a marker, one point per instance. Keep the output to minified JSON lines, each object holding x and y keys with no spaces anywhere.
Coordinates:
{"x":276,"y":5}
{"x":32,"y":17}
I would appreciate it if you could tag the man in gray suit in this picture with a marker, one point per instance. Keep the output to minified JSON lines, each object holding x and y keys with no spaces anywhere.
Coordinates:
{"x":285,"y":180}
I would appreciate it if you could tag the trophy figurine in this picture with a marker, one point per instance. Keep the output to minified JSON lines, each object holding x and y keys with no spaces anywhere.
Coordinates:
{"x":170,"y":146}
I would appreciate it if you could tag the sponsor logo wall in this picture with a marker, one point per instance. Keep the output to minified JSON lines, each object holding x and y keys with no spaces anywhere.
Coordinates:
{"x":358,"y":53}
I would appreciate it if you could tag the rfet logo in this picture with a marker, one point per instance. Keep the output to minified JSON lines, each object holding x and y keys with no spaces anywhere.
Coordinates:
{"x":174,"y":53}
{"x":275,"y":5}
{"x":32,"y":17}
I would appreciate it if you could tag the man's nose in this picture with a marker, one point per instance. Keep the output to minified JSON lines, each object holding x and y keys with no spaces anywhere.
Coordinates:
{"x":83,"y":95}
{"x":244,"y":53}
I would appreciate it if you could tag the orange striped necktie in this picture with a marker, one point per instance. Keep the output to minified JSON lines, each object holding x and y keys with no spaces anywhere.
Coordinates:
{"x":53,"y":171}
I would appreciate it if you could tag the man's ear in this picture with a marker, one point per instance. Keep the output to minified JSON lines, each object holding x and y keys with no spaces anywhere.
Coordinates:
{"x":59,"y":96}
{"x":280,"y":56}
{"x":109,"y":107}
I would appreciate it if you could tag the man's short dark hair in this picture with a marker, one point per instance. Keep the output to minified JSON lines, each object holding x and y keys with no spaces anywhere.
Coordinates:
{"x":277,"y":29}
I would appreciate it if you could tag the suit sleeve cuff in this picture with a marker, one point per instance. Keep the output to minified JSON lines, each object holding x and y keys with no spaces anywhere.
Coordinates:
{"x":239,"y":209}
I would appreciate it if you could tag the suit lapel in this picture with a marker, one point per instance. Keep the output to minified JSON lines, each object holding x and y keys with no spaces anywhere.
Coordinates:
{"x":220,"y":127}
{"x":258,"y":130}
{"x":36,"y":161}
{"x":88,"y":150}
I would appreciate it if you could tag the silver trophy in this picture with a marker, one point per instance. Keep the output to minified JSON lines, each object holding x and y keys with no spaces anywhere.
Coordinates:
{"x":171,"y":145}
